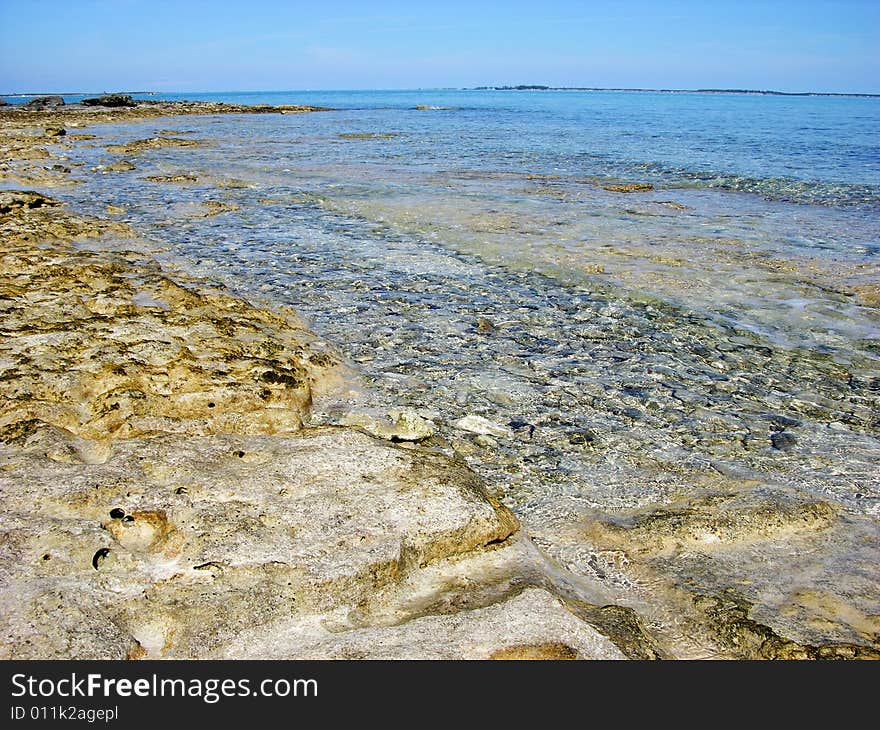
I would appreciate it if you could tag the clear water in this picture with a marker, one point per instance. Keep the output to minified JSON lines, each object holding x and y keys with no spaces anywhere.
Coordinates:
{"x":640,"y":347}
{"x":807,"y":149}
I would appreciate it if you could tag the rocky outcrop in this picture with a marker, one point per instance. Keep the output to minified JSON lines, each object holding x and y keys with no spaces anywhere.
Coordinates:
{"x":45,"y":102}
{"x":112,"y":100}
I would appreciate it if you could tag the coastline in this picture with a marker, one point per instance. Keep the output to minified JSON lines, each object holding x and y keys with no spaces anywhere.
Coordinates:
{"x":181,"y":578}
{"x":154,"y":498}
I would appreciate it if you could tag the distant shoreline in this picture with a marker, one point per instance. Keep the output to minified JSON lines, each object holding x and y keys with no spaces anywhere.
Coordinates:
{"x":519,"y":87}
{"x":755,"y":92}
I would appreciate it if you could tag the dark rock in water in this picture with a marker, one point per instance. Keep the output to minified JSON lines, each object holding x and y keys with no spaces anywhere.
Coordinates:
{"x":784,"y":441}
{"x":45,"y":102}
{"x":110,"y":100}
{"x":634,"y":413}
{"x":3,"y":102}
{"x":522,"y":428}
{"x":55,"y":131}
{"x":779,"y":420}
{"x":586,"y":437}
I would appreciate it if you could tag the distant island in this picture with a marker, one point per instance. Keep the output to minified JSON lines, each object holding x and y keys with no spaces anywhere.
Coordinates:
{"x":526,"y":87}
{"x":540,"y":87}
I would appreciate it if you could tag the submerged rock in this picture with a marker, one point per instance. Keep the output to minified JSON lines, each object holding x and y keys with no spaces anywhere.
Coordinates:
{"x":405,"y":425}
{"x":729,"y":615}
{"x":483,"y":426}
{"x":718,"y":520}
{"x":120,"y":166}
{"x":366,"y":135}
{"x":131,"y":148}
{"x":783,"y":441}
{"x":629,"y":188}
{"x":181,"y":178}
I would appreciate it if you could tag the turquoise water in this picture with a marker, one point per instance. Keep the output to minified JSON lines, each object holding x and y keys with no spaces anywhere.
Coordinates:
{"x":807,"y":149}
{"x":760,"y":205}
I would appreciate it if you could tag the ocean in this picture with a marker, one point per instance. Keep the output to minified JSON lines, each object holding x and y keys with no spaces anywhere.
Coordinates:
{"x":658,"y":298}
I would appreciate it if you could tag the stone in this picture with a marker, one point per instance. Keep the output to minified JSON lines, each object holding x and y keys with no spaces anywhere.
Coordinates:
{"x":783,"y":441}
{"x":584,"y":437}
{"x":213,"y":207}
{"x":483,"y":426}
{"x":175,"y":502}
{"x":405,"y":425}
{"x":365,"y":135}
{"x":715,"y":520}
{"x":485,"y":325}
{"x":746,"y":638}
{"x":220,"y":366}
{"x":120,"y":166}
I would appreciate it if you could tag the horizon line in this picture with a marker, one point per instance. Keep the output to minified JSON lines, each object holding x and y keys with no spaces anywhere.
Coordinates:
{"x":488,"y":87}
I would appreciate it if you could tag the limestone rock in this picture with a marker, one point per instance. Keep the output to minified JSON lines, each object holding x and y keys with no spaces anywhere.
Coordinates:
{"x":405,"y":425}
{"x":483,"y":426}
{"x":222,"y":533}
{"x":504,"y":630}
{"x":150,"y":355}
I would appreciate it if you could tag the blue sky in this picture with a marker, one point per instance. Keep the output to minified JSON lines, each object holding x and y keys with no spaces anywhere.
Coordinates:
{"x":196,"y":45}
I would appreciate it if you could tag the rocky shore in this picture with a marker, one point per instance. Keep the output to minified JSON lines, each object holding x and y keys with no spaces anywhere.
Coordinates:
{"x":163,"y":496}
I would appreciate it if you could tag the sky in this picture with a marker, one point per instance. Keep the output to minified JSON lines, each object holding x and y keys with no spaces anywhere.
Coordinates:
{"x":197,"y":45}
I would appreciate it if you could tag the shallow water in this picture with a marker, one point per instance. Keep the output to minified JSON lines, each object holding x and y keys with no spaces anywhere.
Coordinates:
{"x":636,"y":349}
